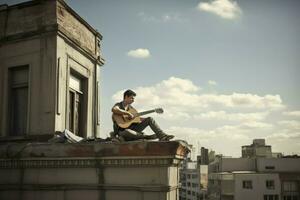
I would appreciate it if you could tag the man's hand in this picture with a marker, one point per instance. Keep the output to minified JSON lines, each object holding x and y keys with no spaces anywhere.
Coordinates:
{"x":130,"y":115}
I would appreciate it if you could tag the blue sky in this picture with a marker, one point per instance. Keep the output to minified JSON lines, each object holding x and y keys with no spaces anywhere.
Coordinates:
{"x":225,"y":71}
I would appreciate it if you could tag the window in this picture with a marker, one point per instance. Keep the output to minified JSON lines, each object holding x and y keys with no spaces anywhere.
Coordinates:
{"x":188,"y":176}
{"x":247,"y":184}
{"x":76,"y":99}
{"x":270,"y":184}
{"x":188,"y":184}
{"x":194,"y":176}
{"x":269,"y":167}
{"x":291,"y":197}
{"x":18,"y":100}
{"x":291,"y":191}
{"x":270,"y":197}
{"x":290,"y":186}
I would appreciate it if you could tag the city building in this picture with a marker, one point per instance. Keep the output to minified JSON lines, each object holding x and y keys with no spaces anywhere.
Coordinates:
{"x":257,"y":149}
{"x":203,"y":159}
{"x":193,"y":178}
{"x":259,"y":178}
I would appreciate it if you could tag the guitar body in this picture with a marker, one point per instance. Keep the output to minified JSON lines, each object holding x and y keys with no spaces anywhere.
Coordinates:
{"x":123,"y":121}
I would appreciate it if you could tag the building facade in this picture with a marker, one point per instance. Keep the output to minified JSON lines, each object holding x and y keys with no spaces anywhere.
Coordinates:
{"x":193,"y":181}
{"x":257,"y":149}
{"x":92,"y":171}
{"x":49,"y":71}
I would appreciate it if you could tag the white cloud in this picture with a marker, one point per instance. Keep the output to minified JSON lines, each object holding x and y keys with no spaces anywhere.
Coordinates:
{"x":231,"y":137}
{"x":194,"y":134}
{"x":171,"y":92}
{"x":292,"y":113}
{"x":290,"y":124}
{"x":285,"y":135}
{"x":223,"y":115}
{"x":256,"y":125}
{"x":139,"y":53}
{"x":227,"y":9}
{"x":212,"y":83}
{"x":182,"y":95}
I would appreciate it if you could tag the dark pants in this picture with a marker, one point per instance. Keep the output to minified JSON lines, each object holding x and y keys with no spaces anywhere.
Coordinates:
{"x":135,"y":130}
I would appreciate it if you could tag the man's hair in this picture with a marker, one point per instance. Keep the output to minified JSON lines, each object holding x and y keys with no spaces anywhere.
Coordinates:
{"x":129,"y":93}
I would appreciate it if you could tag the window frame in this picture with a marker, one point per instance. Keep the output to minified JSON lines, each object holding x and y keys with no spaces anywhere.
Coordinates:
{"x":270,"y":184}
{"x":83,"y":91}
{"x":245,"y":184}
{"x":10,"y":87}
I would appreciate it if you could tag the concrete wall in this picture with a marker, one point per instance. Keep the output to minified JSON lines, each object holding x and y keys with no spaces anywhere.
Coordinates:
{"x":75,"y":183}
{"x":259,"y":186}
{"x":75,"y":29}
{"x":278,"y":164}
{"x":39,"y":55}
{"x":68,"y":59}
{"x":30,"y":17}
{"x":136,"y":170}
{"x":236,"y":164}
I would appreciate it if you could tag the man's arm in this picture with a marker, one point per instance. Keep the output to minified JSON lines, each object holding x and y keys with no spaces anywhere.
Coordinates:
{"x":117,"y":110}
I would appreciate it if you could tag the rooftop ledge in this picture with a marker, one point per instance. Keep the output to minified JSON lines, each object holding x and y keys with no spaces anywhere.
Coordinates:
{"x":18,"y":155}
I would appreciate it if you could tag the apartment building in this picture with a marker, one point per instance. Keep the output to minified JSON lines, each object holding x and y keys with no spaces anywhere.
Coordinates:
{"x":259,"y":178}
{"x":193,"y":179}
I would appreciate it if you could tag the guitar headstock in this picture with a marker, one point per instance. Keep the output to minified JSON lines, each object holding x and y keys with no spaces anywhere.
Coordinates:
{"x":159,"y":110}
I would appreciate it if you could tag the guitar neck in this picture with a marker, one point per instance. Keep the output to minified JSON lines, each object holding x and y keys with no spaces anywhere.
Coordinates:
{"x":145,"y":112}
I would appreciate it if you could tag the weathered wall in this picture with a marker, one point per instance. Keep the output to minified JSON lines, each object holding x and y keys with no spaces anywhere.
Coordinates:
{"x":75,"y":29}
{"x":71,"y":59}
{"x":259,"y":186}
{"x":278,"y":164}
{"x":29,"y":17}
{"x":39,"y":54}
{"x":52,"y":39}
{"x":133,"y":170}
{"x":240,"y":164}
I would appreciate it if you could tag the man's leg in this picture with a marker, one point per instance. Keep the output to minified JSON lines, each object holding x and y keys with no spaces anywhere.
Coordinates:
{"x":130,"y":135}
{"x":149,"y":121}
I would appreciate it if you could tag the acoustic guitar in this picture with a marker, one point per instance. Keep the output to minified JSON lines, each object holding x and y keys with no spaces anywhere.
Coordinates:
{"x":123,"y":121}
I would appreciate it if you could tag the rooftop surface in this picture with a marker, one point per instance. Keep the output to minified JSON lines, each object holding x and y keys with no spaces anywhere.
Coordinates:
{"x":93,"y":149}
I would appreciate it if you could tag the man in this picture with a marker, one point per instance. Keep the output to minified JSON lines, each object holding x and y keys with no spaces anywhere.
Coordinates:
{"x":134,"y":131}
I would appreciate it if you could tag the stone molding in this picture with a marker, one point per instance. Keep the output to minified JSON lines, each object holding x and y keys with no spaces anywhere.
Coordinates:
{"x":51,"y":187}
{"x":86,"y":163}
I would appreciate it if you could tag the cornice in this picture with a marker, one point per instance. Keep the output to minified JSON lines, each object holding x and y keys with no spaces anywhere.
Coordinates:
{"x":86,"y":163}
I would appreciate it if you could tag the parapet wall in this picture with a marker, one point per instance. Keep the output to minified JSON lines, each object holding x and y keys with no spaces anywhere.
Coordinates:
{"x":108,"y":171}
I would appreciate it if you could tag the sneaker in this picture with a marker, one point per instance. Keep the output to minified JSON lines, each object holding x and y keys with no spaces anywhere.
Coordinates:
{"x":166,"y":138}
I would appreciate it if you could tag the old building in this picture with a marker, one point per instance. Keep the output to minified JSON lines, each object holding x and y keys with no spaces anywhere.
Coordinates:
{"x":49,"y":71}
{"x":49,"y":81}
